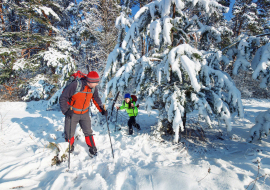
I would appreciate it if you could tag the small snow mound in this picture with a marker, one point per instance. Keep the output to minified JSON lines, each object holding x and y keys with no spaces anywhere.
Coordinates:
{"x":63,"y":147}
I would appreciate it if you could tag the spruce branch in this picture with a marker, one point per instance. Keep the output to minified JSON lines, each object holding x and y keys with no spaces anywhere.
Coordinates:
{"x":233,"y":44}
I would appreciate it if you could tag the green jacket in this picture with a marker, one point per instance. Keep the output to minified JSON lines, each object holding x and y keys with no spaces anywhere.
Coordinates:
{"x":131,"y":111}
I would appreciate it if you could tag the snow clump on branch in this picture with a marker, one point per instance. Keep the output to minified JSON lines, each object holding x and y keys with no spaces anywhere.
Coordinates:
{"x":174,"y":76}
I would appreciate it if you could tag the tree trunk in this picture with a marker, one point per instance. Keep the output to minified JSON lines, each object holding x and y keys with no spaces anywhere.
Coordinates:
{"x":241,"y":21}
{"x":21,"y":28}
{"x":143,"y":46}
{"x":149,"y":46}
{"x":3,"y":58}
{"x":29,"y":53}
{"x":172,"y":29}
{"x":185,"y":119}
{"x":143,"y":41}
{"x":240,"y":27}
{"x":50,"y":31}
{"x":29,"y":25}
{"x":1,"y":15}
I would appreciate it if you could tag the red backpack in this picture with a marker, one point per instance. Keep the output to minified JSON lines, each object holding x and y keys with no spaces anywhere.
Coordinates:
{"x":76,"y":77}
{"x":79,"y":74}
{"x":134,"y":98}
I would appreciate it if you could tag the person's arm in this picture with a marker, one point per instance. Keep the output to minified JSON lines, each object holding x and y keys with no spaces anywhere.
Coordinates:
{"x":133,"y":104}
{"x":97,"y":101}
{"x":122,"y":107}
{"x":66,"y":95}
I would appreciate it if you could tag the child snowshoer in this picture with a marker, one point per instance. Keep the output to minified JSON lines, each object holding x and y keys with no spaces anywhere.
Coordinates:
{"x":129,"y":105}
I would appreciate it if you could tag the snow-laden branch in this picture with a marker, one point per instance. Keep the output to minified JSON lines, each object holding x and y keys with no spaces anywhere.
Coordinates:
{"x":175,"y":76}
{"x":262,"y":126}
{"x":47,"y":11}
{"x":261,"y":65}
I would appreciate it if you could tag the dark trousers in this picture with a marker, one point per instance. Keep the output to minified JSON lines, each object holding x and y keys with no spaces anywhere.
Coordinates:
{"x":83,"y":120}
{"x":131,"y":122}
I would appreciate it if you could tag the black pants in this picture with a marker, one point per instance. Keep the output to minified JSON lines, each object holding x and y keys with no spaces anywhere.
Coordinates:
{"x":131,"y":122}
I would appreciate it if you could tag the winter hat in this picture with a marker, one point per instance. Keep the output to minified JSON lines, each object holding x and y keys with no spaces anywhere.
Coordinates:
{"x":127,"y":95}
{"x":92,"y":77}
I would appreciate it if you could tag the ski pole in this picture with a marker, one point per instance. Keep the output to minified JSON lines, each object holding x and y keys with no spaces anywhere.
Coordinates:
{"x":109,"y":131}
{"x":69,"y":143}
{"x":116,"y":120}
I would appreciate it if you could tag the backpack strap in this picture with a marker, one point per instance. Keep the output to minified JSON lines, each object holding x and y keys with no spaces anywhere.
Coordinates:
{"x":93,"y":90}
{"x":79,"y":86}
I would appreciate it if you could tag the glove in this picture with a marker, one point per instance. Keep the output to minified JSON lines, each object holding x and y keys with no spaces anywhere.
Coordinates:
{"x":104,"y":112}
{"x":69,"y":113}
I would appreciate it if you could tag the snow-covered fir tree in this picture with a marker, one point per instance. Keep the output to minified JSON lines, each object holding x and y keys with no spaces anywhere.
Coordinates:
{"x":34,"y":53}
{"x":246,"y":19}
{"x":123,"y":21}
{"x":263,"y":7}
{"x":244,"y":50}
{"x":180,"y":71}
{"x":261,"y":65}
{"x":250,"y":53}
{"x":249,"y":48}
{"x":95,"y":33}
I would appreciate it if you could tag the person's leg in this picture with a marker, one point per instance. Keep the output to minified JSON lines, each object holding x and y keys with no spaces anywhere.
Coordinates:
{"x":130,"y":122}
{"x":136,"y":124}
{"x":71,"y":122}
{"x":91,"y":144}
{"x":85,"y":124}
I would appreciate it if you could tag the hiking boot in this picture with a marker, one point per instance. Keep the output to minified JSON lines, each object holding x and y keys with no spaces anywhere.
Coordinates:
{"x":71,"y":148}
{"x":72,"y":144}
{"x":93,"y":151}
{"x":137,"y":126}
{"x":130,"y":131}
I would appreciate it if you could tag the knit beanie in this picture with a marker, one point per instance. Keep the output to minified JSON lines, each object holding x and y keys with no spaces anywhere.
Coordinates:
{"x":127,"y":95}
{"x":92,"y":77}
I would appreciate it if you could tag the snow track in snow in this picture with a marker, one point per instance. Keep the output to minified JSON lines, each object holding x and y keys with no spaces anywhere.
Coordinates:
{"x":141,"y":161}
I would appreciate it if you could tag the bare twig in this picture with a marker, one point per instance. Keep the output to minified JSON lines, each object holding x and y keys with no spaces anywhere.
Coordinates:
{"x":257,"y":178}
{"x":3,"y":141}
{"x":265,"y":175}
{"x":209,"y":170}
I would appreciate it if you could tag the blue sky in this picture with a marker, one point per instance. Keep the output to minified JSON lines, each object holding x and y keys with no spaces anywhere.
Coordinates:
{"x":228,"y":15}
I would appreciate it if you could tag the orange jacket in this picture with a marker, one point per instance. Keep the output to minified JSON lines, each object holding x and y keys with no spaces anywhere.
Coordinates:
{"x":79,"y":102}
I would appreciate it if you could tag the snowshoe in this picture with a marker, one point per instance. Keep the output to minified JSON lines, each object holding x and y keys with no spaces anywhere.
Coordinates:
{"x":130,"y":131}
{"x":92,"y":151}
{"x":117,"y":127}
{"x":137,"y":126}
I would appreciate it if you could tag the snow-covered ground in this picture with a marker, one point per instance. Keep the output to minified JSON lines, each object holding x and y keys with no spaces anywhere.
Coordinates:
{"x":142,"y":161}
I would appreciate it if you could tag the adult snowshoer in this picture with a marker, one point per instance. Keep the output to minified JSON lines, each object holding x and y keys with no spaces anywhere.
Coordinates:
{"x":75,"y":106}
{"x":132,"y":110}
